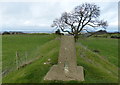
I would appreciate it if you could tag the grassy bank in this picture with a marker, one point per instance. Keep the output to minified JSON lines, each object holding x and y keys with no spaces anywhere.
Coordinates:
{"x":25,"y":45}
{"x":107,"y":47}
{"x":35,"y":72}
{"x":97,"y":68}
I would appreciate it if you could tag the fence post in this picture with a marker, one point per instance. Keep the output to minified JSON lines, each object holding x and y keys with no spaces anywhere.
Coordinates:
{"x":26,"y":57}
{"x":17,"y":60}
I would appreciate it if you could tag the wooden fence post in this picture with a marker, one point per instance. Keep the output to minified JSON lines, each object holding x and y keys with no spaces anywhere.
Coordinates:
{"x":26,"y":57}
{"x":17,"y":60}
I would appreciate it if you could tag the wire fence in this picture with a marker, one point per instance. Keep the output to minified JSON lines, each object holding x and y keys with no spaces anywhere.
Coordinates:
{"x":22,"y":58}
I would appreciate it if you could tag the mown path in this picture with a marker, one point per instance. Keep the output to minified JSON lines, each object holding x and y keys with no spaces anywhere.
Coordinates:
{"x":67,"y":68}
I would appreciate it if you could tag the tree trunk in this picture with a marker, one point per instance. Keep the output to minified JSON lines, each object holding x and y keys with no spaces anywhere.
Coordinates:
{"x":76,"y":37}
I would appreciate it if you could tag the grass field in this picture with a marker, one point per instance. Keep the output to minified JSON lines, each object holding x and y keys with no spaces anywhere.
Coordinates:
{"x":23,"y":44}
{"x":107,"y":47}
{"x":34,"y":73}
{"x":98,"y":69}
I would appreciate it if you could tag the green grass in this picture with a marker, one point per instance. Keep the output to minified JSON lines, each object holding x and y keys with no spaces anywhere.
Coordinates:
{"x":108,"y":48}
{"x":24,"y":44}
{"x":97,"y":69}
{"x":35,"y":72}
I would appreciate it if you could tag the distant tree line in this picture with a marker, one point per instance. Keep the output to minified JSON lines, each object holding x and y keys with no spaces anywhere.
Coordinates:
{"x":101,"y":33}
{"x":11,"y":33}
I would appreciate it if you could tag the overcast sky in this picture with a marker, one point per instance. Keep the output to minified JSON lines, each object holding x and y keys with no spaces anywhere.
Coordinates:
{"x":39,"y":15}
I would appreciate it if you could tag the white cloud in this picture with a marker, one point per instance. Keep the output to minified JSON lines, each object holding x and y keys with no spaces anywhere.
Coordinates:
{"x":27,"y":22}
{"x":58,"y":0}
{"x":42,"y":13}
{"x":114,"y":23}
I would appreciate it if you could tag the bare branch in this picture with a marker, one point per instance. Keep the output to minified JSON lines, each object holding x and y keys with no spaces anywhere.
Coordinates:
{"x":93,"y":25}
{"x":82,"y":15}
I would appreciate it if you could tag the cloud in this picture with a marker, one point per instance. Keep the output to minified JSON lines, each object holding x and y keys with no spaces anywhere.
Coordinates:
{"x":57,"y":0}
{"x":14,"y":14}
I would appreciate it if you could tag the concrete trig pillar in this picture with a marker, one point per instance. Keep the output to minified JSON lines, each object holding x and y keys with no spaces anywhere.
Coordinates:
{"x":67,"y":68}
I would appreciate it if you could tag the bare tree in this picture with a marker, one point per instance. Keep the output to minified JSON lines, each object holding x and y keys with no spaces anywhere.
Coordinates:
{"x":77,"y":20}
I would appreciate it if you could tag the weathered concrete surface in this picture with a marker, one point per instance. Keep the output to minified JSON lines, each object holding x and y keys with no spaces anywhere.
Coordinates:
{"x":67,"y":68}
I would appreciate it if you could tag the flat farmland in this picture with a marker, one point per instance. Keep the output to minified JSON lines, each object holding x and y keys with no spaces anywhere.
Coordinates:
{"x":99,"y":67}
{"x":106,"y":47}
{"x":25,"y":45}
